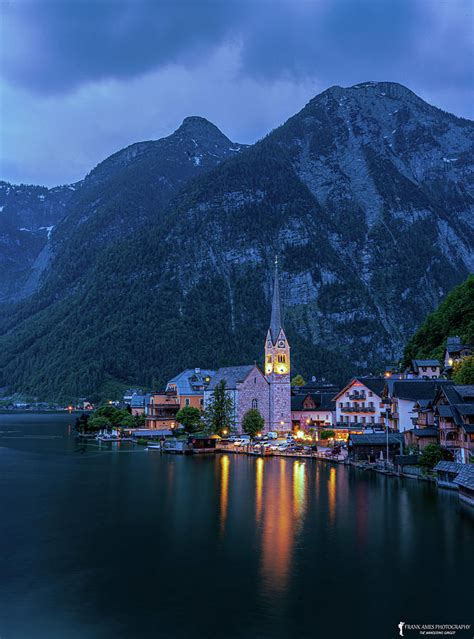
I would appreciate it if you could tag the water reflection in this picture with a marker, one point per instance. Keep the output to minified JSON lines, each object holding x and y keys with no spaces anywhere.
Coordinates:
{"x":224,"y":490}
{"x":332,"y":494}
{"x":299,"y":470}
{"x":259,"y":463}
{"x":283,"y":508}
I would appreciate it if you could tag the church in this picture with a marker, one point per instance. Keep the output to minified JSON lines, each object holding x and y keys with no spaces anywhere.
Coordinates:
{"x":268,"y":391}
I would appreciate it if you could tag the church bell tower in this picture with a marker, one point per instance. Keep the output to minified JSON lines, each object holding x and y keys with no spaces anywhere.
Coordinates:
{"x":277,"y":366}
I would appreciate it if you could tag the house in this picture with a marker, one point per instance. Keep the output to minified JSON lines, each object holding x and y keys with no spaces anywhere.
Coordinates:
{"x":454,"y":415}
{"x":203,"y":443}
{"x":392,"y":371}
{"x":359,"y":403}
{"x":161,"y":409}
{"x":190,"y":385}
{"x":456,"y":351}
{"x":128,"y":394}
{"x":403,"y":396}
{"x":312,"y":410}
{"x":421,"y":437}
{"x":137,"y":404}
{"x":465,"y":482}
{"x":446,"y":473}
{"x":423,"y":369}
{"x":373,"y":446}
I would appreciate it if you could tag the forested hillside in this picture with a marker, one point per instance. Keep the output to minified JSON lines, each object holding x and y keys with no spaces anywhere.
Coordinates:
{"x":366,"y":196}
{"x":454,"y":316}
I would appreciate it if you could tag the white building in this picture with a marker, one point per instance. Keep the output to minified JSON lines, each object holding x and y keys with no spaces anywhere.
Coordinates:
{"x":360,"y":402}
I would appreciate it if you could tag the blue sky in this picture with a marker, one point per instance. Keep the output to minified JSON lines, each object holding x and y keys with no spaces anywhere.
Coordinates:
{"x":80,"y":79}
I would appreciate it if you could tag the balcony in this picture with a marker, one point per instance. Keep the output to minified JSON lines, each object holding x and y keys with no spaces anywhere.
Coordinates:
{"x":357,"y":409}
{"x":357,"y":395}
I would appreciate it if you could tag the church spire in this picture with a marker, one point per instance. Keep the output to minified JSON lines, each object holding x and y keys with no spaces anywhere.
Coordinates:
{"x":275,"y":321}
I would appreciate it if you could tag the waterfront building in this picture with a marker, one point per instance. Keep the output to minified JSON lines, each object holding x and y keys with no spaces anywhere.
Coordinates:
{"x":465,"y":482}
{"x":446,"y":472}
{"x":137,"y":403}
{"x":359,"y":403}
{"x":269,"y":391}
{"x":190,"y":385}
{"x":373,"y":446}
{"x":454,"y":415}
{"x":312,"y":410}
{"x":161,"y":409}
{"x":404,"y":397}
{"x":423,"y":369}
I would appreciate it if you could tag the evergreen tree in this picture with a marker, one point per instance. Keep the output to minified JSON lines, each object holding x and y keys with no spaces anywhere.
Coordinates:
{"x":219,"y":413}
{"x":253,"y":423}
{"x":298,"y":381}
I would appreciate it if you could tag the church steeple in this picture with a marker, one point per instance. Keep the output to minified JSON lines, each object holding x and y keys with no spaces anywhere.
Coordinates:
{"x":277,"y":367}
{"x":275,"y":321}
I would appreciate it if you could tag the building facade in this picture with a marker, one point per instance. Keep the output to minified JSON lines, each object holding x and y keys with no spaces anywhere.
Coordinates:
{"x":161,"y":410}
{"x":454,"y":416}
{"x":359,"y":403}
{"x":190,"y":385}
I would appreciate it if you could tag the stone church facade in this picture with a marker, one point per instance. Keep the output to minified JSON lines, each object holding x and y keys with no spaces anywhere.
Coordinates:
{"x":269,"y":391}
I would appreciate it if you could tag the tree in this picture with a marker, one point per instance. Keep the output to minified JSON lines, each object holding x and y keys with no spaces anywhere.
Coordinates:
{"x":431,"y":455}
{"x":327,"y":434}
{"x":219,"y":413}
{"x":97,"y":423}
{"x":298,"y":381}
{"x":190,"y":418}
{"x":252,"y":422}
{"x":464,"y":371}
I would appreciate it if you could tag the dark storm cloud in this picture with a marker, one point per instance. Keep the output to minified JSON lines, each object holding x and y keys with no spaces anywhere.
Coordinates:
{"x":58,"y":46}
{"x":80,"y":79}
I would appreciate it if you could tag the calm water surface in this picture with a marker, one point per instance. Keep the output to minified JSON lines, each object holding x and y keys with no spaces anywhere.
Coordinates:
{"x":100,"y":542}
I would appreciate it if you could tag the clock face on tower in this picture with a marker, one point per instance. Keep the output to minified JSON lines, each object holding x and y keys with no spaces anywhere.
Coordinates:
{"x":281,"y":343}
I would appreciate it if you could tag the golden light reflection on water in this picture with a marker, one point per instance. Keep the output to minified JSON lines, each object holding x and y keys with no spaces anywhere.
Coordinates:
{"x":278,"y":527}
{"x":224,"y":490}
{"x":259,"y":464}
{"x":299,"y":470}
{"x":332,"y":494}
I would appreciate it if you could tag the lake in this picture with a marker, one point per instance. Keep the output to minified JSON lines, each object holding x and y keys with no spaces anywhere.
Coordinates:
{"x":114,"y":541}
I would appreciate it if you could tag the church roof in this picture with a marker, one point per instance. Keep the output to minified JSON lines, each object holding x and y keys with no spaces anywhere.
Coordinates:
{"x":275,"y":321}
{"x":232,"y":376}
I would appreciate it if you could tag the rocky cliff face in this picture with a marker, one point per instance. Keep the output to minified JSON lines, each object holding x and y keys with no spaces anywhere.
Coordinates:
{"x":366,"y":196}
{"x":28,"y":216}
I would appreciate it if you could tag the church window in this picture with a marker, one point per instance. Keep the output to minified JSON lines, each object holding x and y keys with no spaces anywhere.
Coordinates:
{"x":269,"y":359}
{"x":254,"y":403}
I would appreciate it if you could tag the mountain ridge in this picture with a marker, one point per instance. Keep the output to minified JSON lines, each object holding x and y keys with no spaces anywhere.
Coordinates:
{"x":366,"y":197}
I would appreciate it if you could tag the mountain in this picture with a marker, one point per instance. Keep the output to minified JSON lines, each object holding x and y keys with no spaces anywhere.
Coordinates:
{"x":454,"y":316}
{"x":28,"y":215}
{"x":366,"y":196}
{"x":125,"y":191}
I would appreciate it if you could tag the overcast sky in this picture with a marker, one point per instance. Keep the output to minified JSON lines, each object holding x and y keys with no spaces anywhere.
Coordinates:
{"x":81,"y":79}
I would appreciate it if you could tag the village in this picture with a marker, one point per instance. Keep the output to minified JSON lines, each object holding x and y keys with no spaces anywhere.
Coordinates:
{"x":416,"y":423}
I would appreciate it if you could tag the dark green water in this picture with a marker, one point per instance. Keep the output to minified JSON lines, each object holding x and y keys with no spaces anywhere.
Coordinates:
{"x":100,"y":542}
